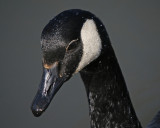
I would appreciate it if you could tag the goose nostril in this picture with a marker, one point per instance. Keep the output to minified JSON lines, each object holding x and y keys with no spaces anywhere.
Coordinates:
{"x":50,"y":88}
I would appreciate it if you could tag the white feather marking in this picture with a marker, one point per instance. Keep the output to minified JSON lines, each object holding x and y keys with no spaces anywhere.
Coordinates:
{"x":91,"y":44}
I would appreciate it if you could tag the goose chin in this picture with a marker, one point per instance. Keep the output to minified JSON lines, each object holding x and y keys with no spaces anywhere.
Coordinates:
{"x":50,"y":84}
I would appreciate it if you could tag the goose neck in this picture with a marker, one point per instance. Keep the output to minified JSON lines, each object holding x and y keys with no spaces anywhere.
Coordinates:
{"x":108,"y":97}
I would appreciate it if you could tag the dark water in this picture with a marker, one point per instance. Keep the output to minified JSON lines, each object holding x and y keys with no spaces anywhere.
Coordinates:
{"x":134,"y":29}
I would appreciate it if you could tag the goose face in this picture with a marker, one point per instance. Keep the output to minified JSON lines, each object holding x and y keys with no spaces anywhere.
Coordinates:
{"x":69,"y":42}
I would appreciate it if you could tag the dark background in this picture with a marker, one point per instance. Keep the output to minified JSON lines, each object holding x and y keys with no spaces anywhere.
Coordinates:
{"x":134,"y":28}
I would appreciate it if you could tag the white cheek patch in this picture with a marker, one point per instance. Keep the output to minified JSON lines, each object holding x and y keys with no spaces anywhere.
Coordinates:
{"x":91,"y":43}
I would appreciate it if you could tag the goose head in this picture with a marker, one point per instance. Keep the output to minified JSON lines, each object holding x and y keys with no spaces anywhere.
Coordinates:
{"x":69,"y":42}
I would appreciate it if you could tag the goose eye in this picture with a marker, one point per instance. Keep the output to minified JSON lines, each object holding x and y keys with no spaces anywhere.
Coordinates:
{"x":72,"y":45}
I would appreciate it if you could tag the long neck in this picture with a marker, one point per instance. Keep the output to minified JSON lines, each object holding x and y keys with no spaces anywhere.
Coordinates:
{"x":109,"y":102}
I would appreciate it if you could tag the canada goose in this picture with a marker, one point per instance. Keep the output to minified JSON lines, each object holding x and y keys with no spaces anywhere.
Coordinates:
{"x":76,"y":41}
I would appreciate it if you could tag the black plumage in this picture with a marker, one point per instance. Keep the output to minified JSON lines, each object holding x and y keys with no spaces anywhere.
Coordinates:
{"x":62,"y":47}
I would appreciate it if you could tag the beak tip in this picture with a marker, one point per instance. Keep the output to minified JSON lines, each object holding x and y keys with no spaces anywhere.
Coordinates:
{"x":36,"y":111}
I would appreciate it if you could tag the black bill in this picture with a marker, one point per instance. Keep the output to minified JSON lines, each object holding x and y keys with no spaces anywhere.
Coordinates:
{"x":50,"y":84}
